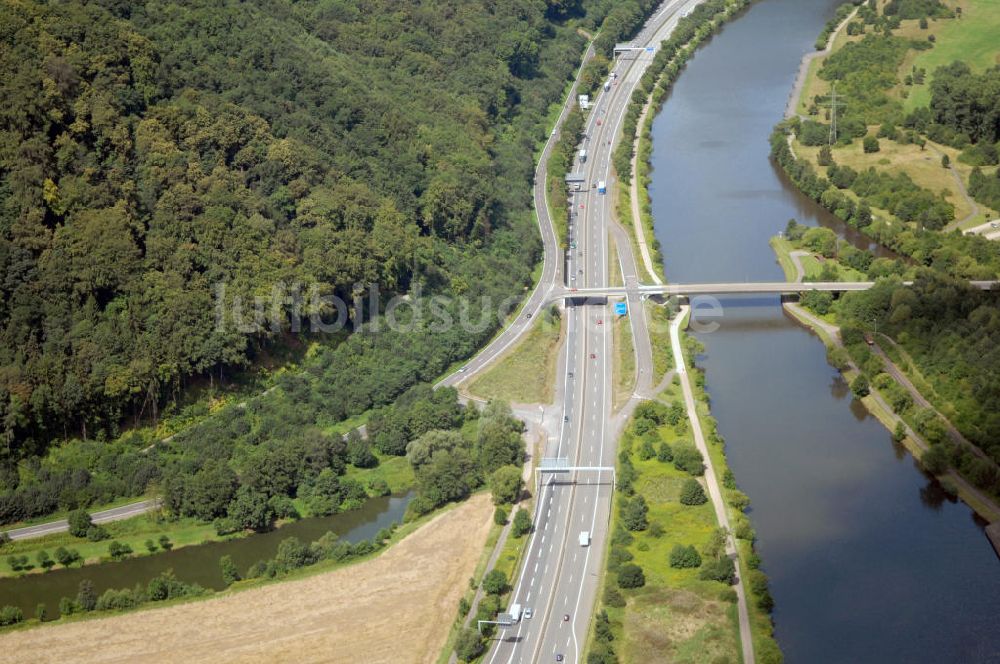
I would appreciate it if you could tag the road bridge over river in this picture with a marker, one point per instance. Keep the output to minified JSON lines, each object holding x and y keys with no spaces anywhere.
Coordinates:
{"x":733,"y":288}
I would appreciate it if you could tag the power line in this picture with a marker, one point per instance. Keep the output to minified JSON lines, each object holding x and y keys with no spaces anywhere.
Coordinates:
{"x":833,"y":104}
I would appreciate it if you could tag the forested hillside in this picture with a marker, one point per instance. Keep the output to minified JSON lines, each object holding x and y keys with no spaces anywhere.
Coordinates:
{"x":152,"y":150}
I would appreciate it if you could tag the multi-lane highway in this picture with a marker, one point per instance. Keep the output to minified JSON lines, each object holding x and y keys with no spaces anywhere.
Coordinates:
{"x":559,"y":577}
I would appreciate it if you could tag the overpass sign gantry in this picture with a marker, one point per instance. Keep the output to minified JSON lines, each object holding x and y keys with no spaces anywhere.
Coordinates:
{"x":554,"y":466}
{"x":628,"y":47}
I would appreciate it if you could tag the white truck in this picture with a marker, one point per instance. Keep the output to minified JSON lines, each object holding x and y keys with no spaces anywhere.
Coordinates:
{"x":583,"y":155}
{"x":602,"y":188}
{"x":585,"y":538}
{"x":515,"y":612}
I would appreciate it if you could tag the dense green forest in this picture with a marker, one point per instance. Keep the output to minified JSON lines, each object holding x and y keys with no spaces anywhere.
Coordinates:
{"x":154,"y":150}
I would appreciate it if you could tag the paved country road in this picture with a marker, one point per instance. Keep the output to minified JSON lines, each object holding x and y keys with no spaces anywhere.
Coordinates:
{"x":104,"y":516}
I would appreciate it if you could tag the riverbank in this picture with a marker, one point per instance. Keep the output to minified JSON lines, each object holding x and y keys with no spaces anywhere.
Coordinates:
{"x":376,"y":609}
{"x":636,"y":147}
{"x":828,"y":488}
{"x":138,"y":531}
{"x":681,"y":610}
{"x":826,"y":327}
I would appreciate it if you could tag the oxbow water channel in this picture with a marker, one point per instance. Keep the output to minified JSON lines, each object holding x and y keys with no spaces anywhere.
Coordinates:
{"x":868,"y":559}
{"x":199,"y":563}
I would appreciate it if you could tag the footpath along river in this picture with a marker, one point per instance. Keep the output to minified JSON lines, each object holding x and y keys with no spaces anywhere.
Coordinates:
{"x":869,"y":561}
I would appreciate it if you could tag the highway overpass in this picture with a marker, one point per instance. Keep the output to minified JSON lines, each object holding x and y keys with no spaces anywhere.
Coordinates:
{"x":734,"y":288}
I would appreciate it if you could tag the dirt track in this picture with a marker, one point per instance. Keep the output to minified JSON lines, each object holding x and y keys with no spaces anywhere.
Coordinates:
{"x":395,"y":608}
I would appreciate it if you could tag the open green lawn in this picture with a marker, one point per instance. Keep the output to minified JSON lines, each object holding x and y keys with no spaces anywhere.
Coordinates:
{"x":526,"y":373}
{"x":396,"y":471}
{"x":676,"y":616}
{"x":973,"y":39}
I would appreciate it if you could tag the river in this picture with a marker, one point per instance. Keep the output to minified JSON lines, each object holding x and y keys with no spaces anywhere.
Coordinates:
{"x":198,"y":563}
{"x":869,"y":561}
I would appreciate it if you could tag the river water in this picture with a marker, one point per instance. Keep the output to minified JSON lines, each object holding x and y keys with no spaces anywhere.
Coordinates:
{"x":868,"y":559}
{"x":198,"y":563}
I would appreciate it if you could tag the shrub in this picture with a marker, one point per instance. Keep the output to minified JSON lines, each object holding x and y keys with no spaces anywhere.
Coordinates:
{"x":379,"y":487}
{"x":67,"y":606}
{"x":617,"y":556}
{"x":500,"y":516}
{"x":743,"y":530}
{"x":860,"y":387}
{"x":634,"y":513}
{"x":165,"y":543}
{"x":44,"y":560}
{"x":739,"y":500}
{"x":469,"y":645}
{"x":97,"y":534}
{"x":505,"y":484}
{"x":631,"y":576}
{"x":692,"y":493}
{"x":688,"y":458}
{"x":117,"y":550}
{"x":230,"y":574}
{"x":683,"y":557}
{"x":150,"y":546}
{"x":10,"y":615}
{"x":79,"y":523}
{"x":722,"y":570}
{"x":935,"y":460}
{"x":224,"y":525}
{"x":522,"y":523}
{"x":758,"y":585}
{"x":292,"y":554}
{"x":870,"y":145}
{"x":664,"y":454}
{"x":655,"y":529}
{"x":613,"y":598}
{"x":86,"y":598}
{"x":602,"y":628}
{"x":647,"y":450}
{"x":495,"y":583}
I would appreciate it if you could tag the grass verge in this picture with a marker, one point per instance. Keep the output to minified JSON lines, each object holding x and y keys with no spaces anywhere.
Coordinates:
{"x":526,"y":373}
{"x":623,"y":369}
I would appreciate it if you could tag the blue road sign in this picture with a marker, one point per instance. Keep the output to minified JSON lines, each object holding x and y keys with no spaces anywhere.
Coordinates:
{"x":621,"y":308}
{"x":650,"y":49}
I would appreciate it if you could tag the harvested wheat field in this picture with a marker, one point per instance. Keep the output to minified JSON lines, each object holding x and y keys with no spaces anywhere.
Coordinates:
{"x":394,"y":608}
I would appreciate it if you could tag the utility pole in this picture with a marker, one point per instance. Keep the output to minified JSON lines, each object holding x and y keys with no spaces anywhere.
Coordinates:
{"x":833,"y":104}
